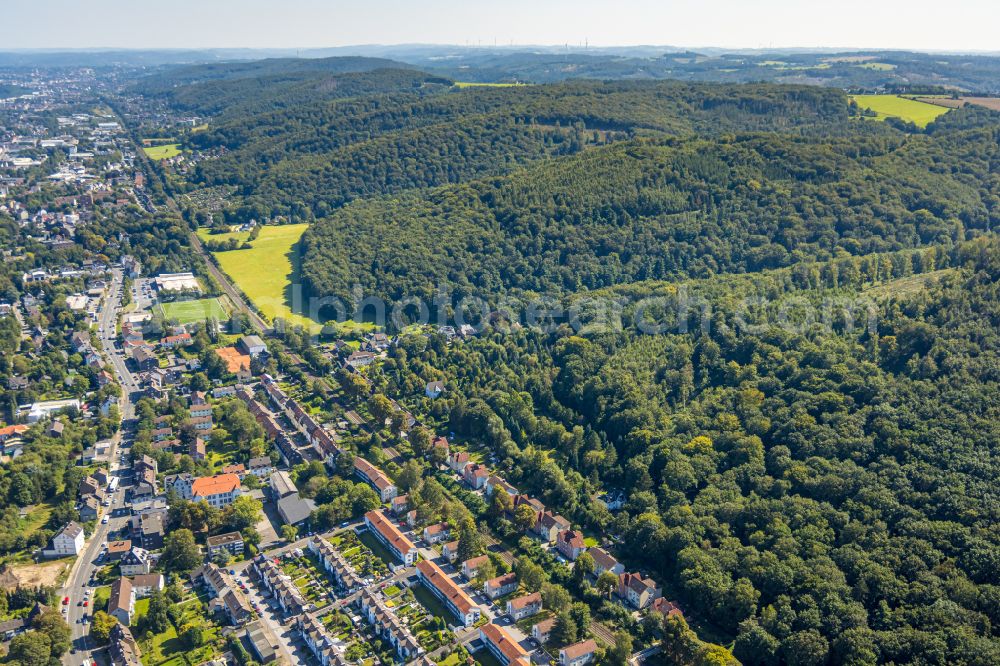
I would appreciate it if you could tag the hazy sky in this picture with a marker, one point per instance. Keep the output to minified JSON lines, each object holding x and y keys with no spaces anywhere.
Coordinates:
{"x":915,"y":24}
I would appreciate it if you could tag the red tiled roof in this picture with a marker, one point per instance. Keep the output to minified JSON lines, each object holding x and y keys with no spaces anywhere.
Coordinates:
{"x":389,"y":531}
{"x":215,"y":485}
{"x":505,"y":643}
{"x":446,"y":586}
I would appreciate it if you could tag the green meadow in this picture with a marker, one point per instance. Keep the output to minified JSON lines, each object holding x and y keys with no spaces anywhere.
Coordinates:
{"x":894,"y":106}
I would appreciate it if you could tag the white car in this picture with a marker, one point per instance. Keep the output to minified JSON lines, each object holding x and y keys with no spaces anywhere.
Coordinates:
{"x":105,"y":519}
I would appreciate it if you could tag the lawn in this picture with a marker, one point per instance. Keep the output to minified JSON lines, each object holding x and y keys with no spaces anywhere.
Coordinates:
{"x":163,"y":152}
{"x":188,"y":312}
{"x":894,"y":106}
{"x":432,"y":603}
{"x":268,"y":270}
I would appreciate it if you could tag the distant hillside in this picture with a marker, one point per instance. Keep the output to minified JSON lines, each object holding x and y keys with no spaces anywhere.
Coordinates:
{"x":167,"y":79}
{"x":305,"y":161}
{"x":241,"y":96}
{"x":853,"y":70}
{"x":662,"y":209}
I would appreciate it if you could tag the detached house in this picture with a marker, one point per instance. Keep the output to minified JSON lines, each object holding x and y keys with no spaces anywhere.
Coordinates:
{"x":501,"y":586}
{"x":549,"y":525}
{"x":603,"y":561}
{"x":121,"y":604}
{"x":525,"y":606}
{"x":457,"y":460}
{"x":570,"y":543}
{"x":578,"y":654}
{"x":639,"y":592}
{"x":475,"y":475}
{"x":436,"y":533}
{"x":136,"y":562}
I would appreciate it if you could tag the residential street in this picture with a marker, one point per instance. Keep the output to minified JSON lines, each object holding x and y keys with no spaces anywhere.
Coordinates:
{"x":83,"y":569}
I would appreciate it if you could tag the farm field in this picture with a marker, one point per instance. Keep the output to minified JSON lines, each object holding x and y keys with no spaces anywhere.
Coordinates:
{"x":894,"y":106}
{"x":267,"y":271}
{"x":188,"y":312}
{"x":163,"y":152}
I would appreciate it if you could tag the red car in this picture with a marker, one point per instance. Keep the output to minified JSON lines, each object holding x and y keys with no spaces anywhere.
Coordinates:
{"x":65,"y":601}
{"x":86,"y":603}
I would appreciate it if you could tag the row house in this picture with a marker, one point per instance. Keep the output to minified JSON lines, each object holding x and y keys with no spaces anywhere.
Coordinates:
{"x":375,"y":477}
{"x":397,"y":543}
{"x":503,"y":646}
{"x":280,"y":585}
{"x":387,"y":624}
{"x":226,"y":598}
{"x":334,"y":563}
{"x":444,"y":588}
{"x":319,"y":641}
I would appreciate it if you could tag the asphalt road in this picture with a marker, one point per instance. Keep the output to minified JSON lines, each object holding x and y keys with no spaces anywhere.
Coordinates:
{"x":76,"y":587}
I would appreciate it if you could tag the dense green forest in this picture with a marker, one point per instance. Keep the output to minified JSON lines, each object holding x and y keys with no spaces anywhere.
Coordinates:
{"x":306,"y":161}
{"x":810,"y":462}
{"x":826,"y":494}
{"x":652,"y":209}
{"x":236,"y":97}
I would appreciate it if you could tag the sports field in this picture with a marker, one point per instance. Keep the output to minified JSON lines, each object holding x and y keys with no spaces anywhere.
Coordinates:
{"x":188,"y":312}
{"x":886,"y":106}
{"x":163,"y":152}
{"x":267,"y":271}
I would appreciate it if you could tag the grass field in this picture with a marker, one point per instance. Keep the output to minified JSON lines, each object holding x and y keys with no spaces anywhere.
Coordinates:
{"x":267,"y":271}
{"x":162,"y":152}
{"x":188,"y":312}
{"x":894,"y":106}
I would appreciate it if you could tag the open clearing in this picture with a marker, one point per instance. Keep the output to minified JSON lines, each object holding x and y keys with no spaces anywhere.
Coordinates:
{"x":162,"y":152}
{"x":188,"y":312}
{"x":267,"y":271}
{"x":894,"y":106}
{"x":48,"y":574}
